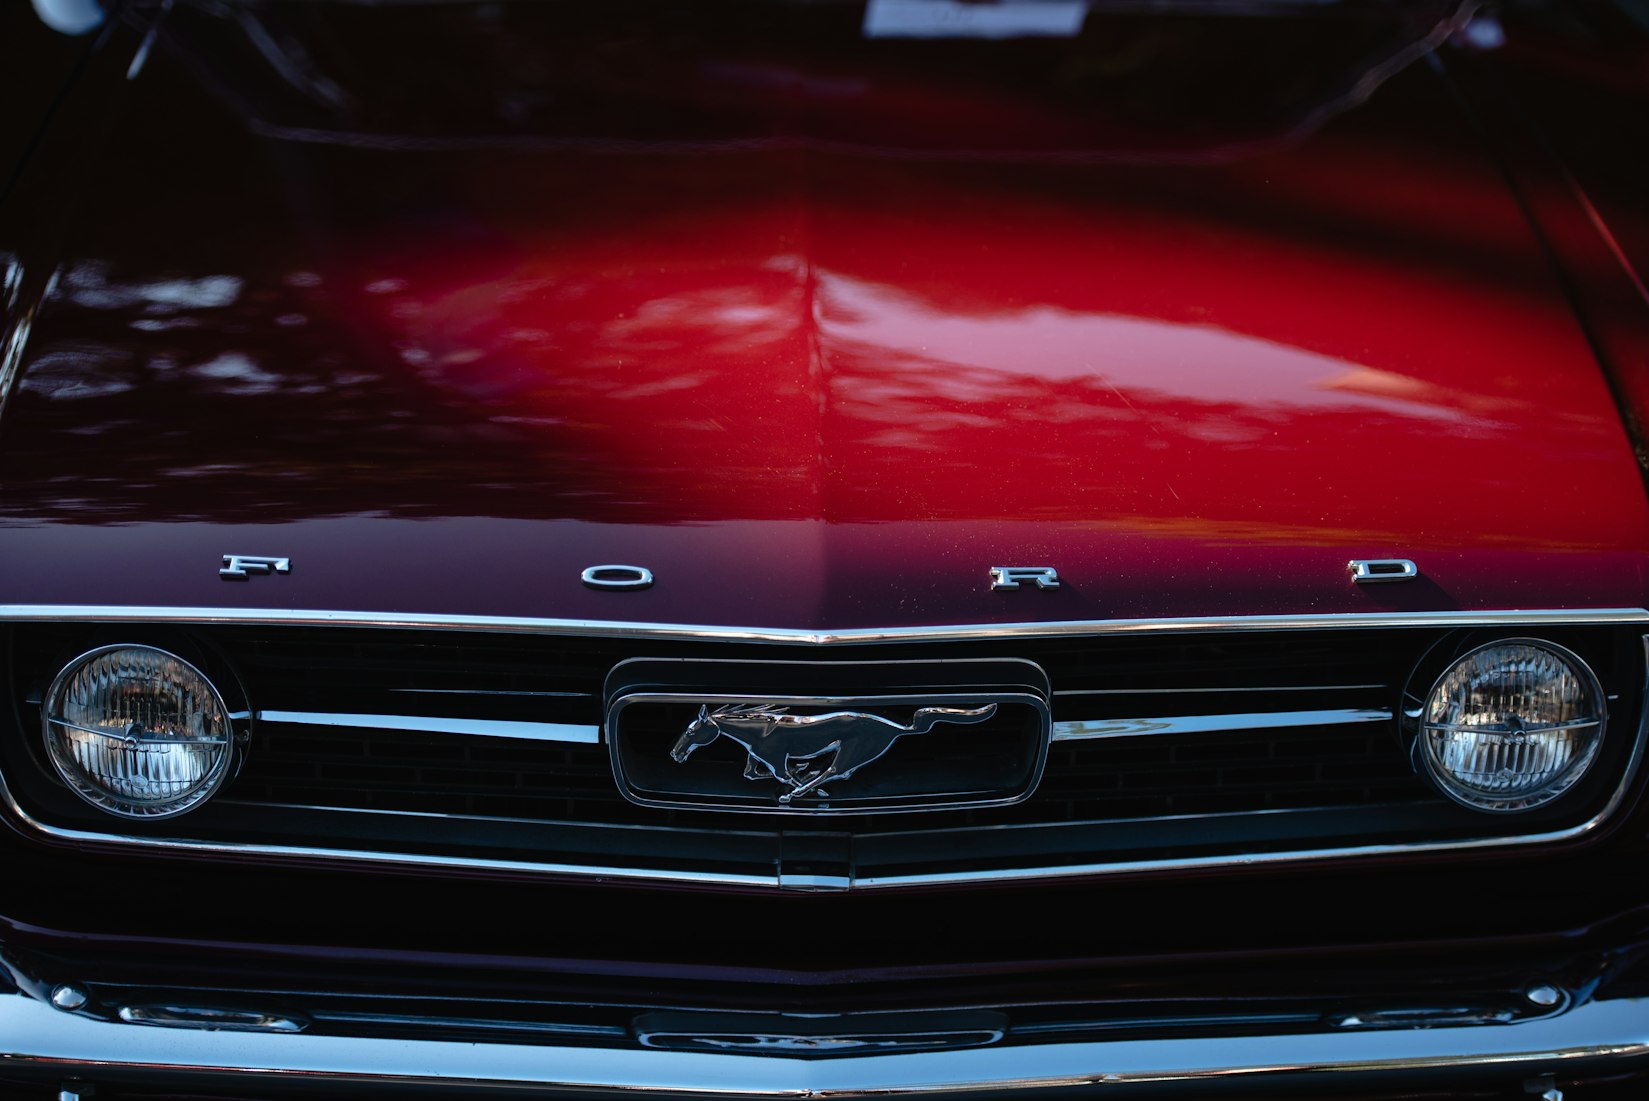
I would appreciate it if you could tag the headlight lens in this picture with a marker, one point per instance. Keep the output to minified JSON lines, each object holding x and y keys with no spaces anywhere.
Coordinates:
{"x":137,"y":731}
{"x":1512,"y":725}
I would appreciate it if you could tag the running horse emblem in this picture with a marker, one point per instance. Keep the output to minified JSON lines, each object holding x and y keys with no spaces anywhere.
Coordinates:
{"x":792,"y":748}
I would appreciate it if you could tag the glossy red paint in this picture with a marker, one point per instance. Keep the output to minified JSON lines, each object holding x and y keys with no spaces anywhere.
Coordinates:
{"x":813,"y":386}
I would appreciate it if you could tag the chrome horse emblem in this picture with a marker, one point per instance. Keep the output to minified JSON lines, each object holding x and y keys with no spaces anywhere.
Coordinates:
{"x":792,"y":749}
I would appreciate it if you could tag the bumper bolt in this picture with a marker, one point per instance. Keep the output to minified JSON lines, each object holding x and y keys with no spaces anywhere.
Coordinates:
{"x":1543,"y":994}
{"x":68,"y":998}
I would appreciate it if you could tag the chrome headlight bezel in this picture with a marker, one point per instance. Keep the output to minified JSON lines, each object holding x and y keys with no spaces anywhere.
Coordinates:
{"x":225,"y":698}
{"x":1429,"y":762}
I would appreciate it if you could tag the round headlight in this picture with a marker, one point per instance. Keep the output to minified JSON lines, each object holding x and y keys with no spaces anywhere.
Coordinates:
{"x":1511,"y":725}
{"x":137,"y":731}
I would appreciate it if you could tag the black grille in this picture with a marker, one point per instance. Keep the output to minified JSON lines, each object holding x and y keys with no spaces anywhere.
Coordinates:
{"x":551,"y":680}
{"x":1120,"y":778}
{"x":1229,"y":772}
{"x":400,"y":770}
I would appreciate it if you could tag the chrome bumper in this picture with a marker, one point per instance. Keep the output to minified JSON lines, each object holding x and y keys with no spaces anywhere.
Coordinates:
{"x":44,"y":1042}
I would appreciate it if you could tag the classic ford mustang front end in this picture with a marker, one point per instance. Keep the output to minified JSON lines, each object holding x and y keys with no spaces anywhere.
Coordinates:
{"x":783,"y":549}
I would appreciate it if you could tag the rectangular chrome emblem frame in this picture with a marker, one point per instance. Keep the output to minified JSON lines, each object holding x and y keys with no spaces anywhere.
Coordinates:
{"x":737,"y":736}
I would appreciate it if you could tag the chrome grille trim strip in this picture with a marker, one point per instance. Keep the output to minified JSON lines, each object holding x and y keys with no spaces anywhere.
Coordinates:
{"x":1213,"y":724}
{"x":1070,"y":730}
{"x":139,"y":614}
{"x":1228,"y":690}
{"x":1596,"y":1036}
{"x":524,"y":694}
{"x":433,"y":724}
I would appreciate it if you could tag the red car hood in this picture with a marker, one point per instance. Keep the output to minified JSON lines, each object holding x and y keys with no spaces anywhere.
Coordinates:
{"x":812,"y":387}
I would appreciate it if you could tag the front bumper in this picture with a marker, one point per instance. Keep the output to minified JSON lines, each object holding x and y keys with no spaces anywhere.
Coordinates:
{"x":49,"y":1045}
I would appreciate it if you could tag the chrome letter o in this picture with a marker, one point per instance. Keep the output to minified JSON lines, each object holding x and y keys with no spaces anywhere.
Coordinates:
{"x":617,"y":577}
